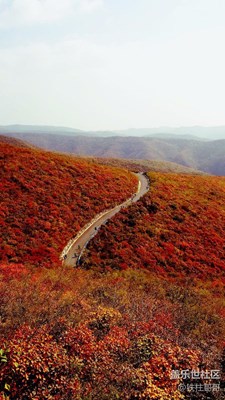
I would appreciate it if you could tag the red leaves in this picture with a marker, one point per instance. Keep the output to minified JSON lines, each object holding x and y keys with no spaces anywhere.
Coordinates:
{"x":37,"y":366}
{"x":109,"y":336}
{"x":79,"y":364}
{"x":46,"y":198}
{"x":12,"y":271}
{"x":79,"y":342}
{"x":96,"y":336}
{"x":177,"y":229}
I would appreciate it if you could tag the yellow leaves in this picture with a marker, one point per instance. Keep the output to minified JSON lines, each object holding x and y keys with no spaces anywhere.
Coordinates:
{"x":154,"y":392}
{"x":7,"y":387}
{"x":3,"y":357}
{"x":107,"y":315}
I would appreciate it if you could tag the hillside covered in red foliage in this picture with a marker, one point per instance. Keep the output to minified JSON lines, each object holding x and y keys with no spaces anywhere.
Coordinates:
{"x":147,"y":303}
{"x":46,"y":198}
{"x":176,"y":230}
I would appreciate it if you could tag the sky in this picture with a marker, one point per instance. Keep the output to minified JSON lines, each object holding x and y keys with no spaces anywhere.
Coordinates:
{"x":112,"y":64}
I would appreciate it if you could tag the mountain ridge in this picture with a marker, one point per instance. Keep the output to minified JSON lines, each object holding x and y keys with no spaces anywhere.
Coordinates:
{"x":206,"y":156}
{"x":188,"y":132}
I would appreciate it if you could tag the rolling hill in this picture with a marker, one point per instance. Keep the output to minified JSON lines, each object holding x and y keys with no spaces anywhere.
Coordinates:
{"x":176,"y":229}
{"x":207,"y":156}
{"x":46,"y":198}
{"x":15,"y":142}
{"x":146,"y":165}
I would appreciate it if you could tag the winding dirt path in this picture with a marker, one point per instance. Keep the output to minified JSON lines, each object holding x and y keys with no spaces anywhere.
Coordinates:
{"x":74,"y":249}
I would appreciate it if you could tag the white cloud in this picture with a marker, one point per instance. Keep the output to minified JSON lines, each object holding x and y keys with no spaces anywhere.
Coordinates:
{"x":27,"y":12}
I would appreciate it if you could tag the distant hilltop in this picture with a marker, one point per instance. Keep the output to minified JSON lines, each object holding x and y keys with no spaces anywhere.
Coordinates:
{"x":191,"y":133}
{"x":199,"y":153}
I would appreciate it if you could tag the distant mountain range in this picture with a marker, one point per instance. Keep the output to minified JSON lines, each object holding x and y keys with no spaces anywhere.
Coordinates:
{"x":191,"y":133}
{"x":207,"y":156}
{"x":60,"y":130}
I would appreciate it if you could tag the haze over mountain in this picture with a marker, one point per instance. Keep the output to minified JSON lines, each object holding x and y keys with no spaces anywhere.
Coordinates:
{"x":192,"y":132}
{"x":207,"y":156}
{"x":185,"y":132}
{"x":18,"y":128}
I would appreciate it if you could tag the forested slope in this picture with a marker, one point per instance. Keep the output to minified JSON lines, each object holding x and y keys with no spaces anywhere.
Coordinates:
{"x":46,"y":198}
{"x":176,"y":230}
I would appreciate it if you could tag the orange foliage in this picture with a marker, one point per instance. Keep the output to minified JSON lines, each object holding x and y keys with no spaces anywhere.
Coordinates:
{"x":176,"y":230}
{"x":46,"y":198}
{"x":71,"y":334}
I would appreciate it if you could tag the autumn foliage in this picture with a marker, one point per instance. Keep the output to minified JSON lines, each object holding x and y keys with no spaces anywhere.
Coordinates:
{"x":147,"y":300}
{"x":66,"y":341}
{"x":46,"y":198}
{"x":176,"y":230}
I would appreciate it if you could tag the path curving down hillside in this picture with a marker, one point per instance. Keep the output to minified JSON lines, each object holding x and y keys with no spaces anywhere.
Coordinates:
{"x":72,"y":252}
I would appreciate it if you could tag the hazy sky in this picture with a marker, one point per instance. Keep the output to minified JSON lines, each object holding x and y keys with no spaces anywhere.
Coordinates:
{"x":110,"y":64}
